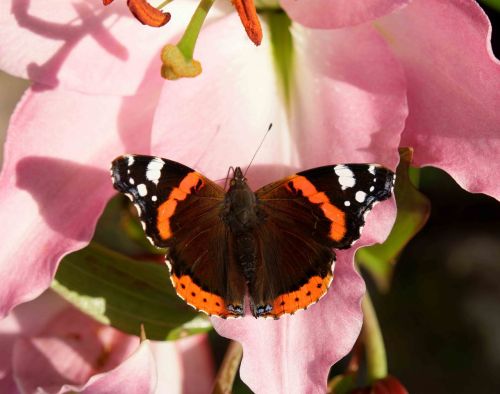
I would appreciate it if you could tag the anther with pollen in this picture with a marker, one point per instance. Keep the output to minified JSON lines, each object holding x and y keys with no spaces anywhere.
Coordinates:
{"x":145,"y":12}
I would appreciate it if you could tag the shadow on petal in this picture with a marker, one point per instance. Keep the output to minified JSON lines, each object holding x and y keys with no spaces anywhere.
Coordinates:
{"x":91,"y":24}
{"x":58,"y":186}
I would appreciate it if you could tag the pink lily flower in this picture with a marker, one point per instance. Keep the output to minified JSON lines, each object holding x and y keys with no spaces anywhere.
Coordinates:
{"x":97,"y":94}
{"x":49,"y":346}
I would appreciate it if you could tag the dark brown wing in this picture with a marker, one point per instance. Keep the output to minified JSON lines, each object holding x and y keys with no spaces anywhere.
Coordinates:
{"x":307,"y":215}
{"x":180,"y":210}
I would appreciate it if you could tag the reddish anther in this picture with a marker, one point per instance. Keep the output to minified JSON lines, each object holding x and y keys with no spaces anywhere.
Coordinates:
{"x":248,"y":15}
{"x":145,"y":12}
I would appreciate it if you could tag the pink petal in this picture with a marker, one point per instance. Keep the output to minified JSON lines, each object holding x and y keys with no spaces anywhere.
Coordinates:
{"x":349,"y":105}
{"x":197,"y":363}
{"x":184,"y":366}
{"x":136,"y":375}
{"x":331,"y":14}
{"x":453,"y":89}
{"x":218,"y":119}
{"x":71,"y":349}
{"x":349,"y":92}
{"x":83,"y":45}
{"x":55,"y":179}
{"x":294,"y":354}
{"x":26,"y":319}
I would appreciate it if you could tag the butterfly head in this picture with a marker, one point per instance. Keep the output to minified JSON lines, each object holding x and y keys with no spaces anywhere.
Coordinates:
{"x":238,"y":177}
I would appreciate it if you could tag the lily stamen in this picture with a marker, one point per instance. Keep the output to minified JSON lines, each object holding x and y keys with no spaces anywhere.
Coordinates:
{"x":248,"y":15}
{"x":146,"y":13}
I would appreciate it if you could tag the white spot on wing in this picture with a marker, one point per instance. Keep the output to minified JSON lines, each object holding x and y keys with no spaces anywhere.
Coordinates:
{"x":360,"y":196}
{"x":153,"y":172}
{"x":131,"y":181}
{"x":372,"y":188}
{"x":346,"y":176}
{"x":154,"y":198}
{"x":371,"y":170}
{"x":347,"y":203}
{"x":130,"y":159}
{"x":142,"y":190}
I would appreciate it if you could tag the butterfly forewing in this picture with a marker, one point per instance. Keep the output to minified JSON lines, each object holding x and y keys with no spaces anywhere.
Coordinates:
{"x":180,"y":209}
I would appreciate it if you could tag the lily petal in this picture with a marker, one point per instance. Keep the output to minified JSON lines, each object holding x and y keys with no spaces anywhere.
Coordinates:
{"x":185,"y":366}
{"x":453,"y":89}
{"x":136,"y":375}
{"x":81,"y":45}
{"x":70,"y":349}
{"x":331,"y":14}
{"x":349,"y":103}
{"x":55,"y":179}
{"x":27,"y":319}
{"x":234,"y":100}
{"x":300,"y":349}
{"x":198,"y":364}
{"x":364,"y":88}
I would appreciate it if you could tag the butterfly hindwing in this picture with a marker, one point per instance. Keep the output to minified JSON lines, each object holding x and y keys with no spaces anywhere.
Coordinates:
{"x":308,"y":214}
{"x":180,"y":210}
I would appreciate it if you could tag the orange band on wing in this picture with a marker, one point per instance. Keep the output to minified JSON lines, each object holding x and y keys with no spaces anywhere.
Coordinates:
{"x":337,"y":216}
{"x":200,"y":299}
{"x":167,"y":209}
{"x":308,"y":294}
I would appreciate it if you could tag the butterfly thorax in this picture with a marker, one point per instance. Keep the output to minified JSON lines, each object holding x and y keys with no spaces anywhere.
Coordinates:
{"x":240,"y":206}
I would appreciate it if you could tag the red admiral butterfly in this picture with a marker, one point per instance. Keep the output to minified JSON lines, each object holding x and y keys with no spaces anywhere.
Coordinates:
{"x":276,"y":242}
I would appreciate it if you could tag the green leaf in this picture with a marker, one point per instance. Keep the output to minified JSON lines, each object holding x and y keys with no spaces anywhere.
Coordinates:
{"x":124,"y":293}
{"x":119,"y":229}
{"x":413,"y":212}
{"x":492,"y":3}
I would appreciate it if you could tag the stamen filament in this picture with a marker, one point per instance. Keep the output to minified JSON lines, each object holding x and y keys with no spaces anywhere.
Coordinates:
{"x":188,"y":41}
{"x":164,"y":4}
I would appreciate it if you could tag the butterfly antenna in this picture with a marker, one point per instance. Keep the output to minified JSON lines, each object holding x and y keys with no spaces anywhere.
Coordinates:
{"x":257,"y":151}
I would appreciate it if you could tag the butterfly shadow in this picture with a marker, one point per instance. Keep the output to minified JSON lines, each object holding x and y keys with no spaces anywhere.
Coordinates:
{"x":66,"y":193}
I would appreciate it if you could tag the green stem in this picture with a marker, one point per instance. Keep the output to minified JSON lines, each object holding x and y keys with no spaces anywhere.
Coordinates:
{"x":227,"y":372}
{"x":188,"y":41}
{"x":376,"y":358}
{"x":160,"y":6}
{"x":266,"y":5}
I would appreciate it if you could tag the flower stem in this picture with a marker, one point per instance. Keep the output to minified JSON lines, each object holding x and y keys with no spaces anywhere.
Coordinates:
{"x":376,"y":358}
{"x":163,"y":4}
{"x":227,"y":372}
{"x":267,"y":4}
{"x":188,"y":41}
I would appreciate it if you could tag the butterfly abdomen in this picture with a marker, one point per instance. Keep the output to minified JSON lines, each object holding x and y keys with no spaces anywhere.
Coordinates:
{"x":241,"y":214}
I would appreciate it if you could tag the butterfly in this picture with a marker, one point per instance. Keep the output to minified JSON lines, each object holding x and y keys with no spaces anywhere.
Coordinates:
{"x":274,"y":245}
